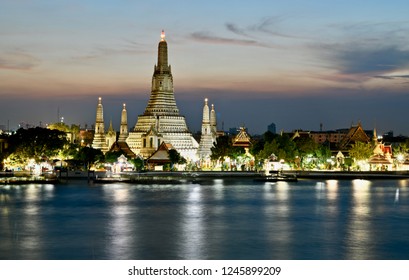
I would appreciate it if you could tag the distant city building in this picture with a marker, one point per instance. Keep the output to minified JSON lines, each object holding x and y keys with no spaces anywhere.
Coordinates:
{"x":330,"y":136}
{"x":161,"y":121}
{"x":272,"y":128}
{"x":233,"y":130}
{"x":337,"y":140}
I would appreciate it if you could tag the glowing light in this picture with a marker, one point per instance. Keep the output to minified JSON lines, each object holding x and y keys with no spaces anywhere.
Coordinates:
{"x":162,"y":35}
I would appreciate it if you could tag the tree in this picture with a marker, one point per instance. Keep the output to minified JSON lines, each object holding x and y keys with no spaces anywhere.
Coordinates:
{"x":138,"y":163}
{"x":59,"y":126}
{"x":306,"y":146}
{"x":221,"y":148}
{"x":89,"y":156}
{"x":282,"y":146}
{"x":268,"y":136}
{"x":361,"y":151}
{"x":37,"y":143}
{"x":175,"y":157}
{"x":401,"y":149}
{"x":113,"y":156}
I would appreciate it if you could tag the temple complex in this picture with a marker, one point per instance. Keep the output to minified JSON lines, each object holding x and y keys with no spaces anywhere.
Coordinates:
{"x":161,"y":121}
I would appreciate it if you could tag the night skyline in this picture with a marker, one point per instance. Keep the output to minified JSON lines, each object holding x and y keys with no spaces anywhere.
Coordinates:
{"x":261,"y":62}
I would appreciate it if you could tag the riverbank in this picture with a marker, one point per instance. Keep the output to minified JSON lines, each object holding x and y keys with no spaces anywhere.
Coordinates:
{"x":350,"y":175}
{"x":199,"y":176}
{"x":176,"y":177}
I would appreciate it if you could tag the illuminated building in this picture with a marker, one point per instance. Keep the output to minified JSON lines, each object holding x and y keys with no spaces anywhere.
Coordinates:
{"x":209,"y":132}
{"x":103,"y":141}
{"x":123,"y":131}
{"x":161,"y":121}
{"x":99,"y":141}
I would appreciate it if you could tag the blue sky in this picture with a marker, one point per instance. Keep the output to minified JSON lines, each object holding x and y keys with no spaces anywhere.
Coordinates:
{"x":294,"y":63}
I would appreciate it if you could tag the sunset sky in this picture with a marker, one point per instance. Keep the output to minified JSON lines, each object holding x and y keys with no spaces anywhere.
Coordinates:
{"x":294,"y":63}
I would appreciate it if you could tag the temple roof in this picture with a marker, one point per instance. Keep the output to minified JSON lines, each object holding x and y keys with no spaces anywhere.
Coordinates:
{"x":242,"y":139}
{"x":161,"y":155}
{"x":123,"y":147}
{"x":355,"y":134}
{"x":379,"y":159}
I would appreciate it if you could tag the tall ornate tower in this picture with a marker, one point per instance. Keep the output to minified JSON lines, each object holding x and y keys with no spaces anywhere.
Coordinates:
{"x":110,"y":137}
{"x":99,"y":141}
{"x":123,"y":132}
{"x":208,"y":132}
{"x":213,"y":122}
{"x":161,"y":121}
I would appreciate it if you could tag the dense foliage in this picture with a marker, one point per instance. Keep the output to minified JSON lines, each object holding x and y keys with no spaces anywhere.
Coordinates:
{"x":361,"y":151}
{"x":36,"y":143}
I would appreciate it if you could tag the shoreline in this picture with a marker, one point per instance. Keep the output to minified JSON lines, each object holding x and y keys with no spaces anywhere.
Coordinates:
{"x":177,"y":177}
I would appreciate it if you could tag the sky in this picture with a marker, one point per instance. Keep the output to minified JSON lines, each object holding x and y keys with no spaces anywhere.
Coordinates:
{"x":297,"y":64}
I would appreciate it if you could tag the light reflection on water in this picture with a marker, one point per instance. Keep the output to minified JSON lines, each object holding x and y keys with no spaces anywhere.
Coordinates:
{"x":218,"y":219}
{"x":359,"y":231}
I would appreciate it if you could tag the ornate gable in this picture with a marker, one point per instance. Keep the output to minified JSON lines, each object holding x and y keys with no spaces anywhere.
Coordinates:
{"x":242,"y":139}
{"x":355,"y":134}
{"x":152,"y":132}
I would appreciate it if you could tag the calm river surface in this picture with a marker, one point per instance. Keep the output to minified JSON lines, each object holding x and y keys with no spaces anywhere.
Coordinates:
{"x":217,"y":219}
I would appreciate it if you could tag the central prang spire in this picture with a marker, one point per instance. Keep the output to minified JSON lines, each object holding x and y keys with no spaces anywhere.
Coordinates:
{"x":162,"y":66}
{"x":162,"y":100}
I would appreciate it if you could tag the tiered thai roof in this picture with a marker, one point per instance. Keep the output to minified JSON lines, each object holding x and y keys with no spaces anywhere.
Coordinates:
{"x":161,"y":155}
{"x":242,"y":139}
{"x":355,"y":134}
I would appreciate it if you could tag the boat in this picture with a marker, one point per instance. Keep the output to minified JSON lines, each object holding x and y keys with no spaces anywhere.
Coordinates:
{"x":278,"y":177}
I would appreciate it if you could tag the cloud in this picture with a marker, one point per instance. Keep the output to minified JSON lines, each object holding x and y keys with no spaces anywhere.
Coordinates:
{"x":391,"y":77}
{"x":131,"y":48}
{"x":367,"y":60}
{"x":367,"y":47}
{"x":206,"y":37}
{"x":236,"y":30}
{"x":18,"y":61}
{"x":360,"y":58}
{"x":269,"y":25}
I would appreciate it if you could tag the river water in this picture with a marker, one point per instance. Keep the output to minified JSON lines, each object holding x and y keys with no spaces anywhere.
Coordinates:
{"x":217,"y":219}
